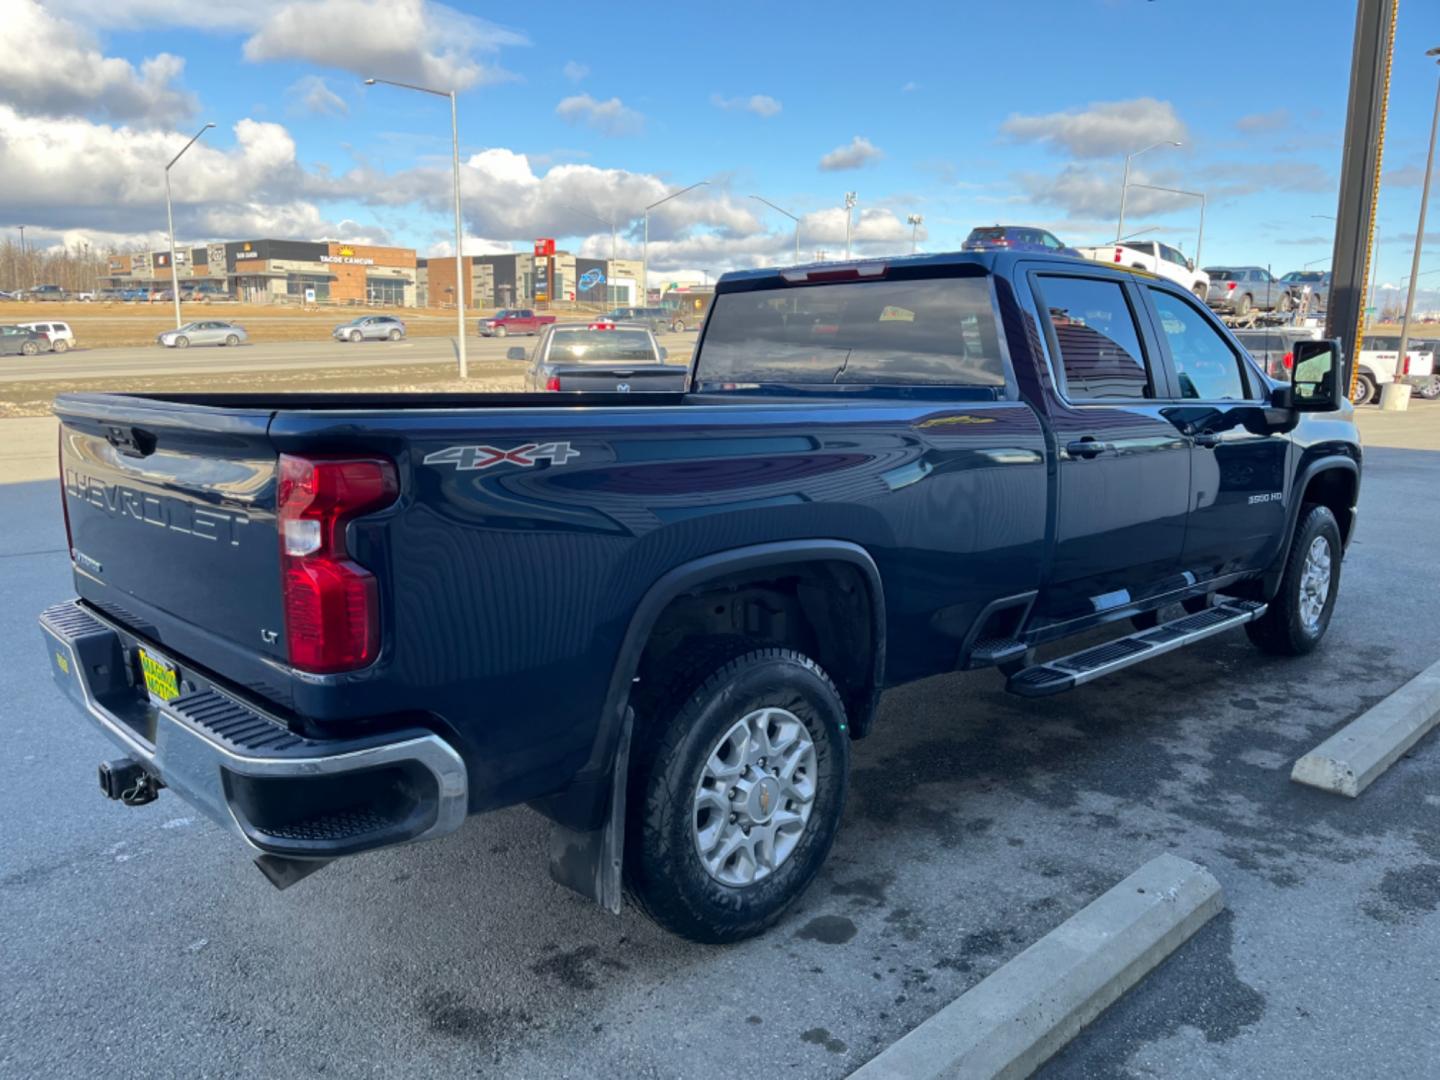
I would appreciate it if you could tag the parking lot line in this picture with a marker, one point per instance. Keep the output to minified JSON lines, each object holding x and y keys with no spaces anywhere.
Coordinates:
{"x":1013,"y":1021}
{"x":1349,"y":761}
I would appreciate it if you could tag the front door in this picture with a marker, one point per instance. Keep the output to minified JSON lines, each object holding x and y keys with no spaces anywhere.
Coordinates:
{"x":1124,"y":469}
{"x":1238,"y":470}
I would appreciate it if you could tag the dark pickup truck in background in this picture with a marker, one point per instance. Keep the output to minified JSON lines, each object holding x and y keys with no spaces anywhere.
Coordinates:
{"x":599,"y":356}
{"x":340,"y":622}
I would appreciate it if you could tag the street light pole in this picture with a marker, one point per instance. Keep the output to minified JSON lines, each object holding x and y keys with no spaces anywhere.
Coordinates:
{"x":849,"y":207}
{"x":1125,"y":184}
{"x":459,"y":220}
{"x":1200,"y":233}
{"x":914,"y":221}
{"x":1395,"y":396}
{"x":788,"y":214}
{"x":645,"y":249}
{"x":170,"y":224}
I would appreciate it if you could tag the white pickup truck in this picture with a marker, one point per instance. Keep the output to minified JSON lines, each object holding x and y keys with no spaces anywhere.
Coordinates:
{"x":1158,"y":258}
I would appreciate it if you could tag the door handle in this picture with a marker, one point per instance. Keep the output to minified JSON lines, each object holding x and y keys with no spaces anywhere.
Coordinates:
{"x":1207,"y":439}
{"x":1087,"y":447}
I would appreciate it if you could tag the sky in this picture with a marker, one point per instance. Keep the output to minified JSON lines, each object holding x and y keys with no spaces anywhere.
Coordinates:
{"x":572,"y":117}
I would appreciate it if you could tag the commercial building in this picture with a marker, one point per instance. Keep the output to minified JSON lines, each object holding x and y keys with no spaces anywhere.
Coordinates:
{"x":509,"y":280}
{"x":278,"y":271}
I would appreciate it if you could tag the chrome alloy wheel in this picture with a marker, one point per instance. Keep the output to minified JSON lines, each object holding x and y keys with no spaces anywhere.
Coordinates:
{"x":755,"y":796}
{"x":1315,"y":584}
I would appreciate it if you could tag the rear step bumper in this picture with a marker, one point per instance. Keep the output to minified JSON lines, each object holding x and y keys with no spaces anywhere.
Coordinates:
{"x":1068,"y":672}
{"x":284,"y":795}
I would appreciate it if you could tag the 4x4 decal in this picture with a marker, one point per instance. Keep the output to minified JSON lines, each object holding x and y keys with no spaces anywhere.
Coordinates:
{"x":469,"y":458}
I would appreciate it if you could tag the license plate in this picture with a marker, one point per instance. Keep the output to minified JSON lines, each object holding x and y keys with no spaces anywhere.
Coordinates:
{"x":161,"y":679}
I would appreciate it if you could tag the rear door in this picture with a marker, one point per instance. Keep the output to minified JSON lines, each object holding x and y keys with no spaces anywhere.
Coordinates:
{"x":1124,"y":469}
{"x":1238,"y":470}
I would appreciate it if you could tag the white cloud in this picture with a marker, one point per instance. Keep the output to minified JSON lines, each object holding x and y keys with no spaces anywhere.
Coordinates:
{"x":612,"y":117}
{"x":408,"y":40}
{"x":759,"y":104}
{"x":53,"y":67}
{"x":575,"y":71}
{"x":910,"y":87}
{"x":312,"y":94}
{"x":855,"y":154}
{"x":1104,"y":129}
{"x":1275,"y":120}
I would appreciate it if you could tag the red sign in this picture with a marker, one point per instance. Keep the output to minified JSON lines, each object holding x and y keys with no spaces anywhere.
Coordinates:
{"x":544,"y":247}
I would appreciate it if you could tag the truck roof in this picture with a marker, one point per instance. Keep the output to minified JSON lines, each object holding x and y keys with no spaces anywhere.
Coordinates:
{"x":994,"y":262}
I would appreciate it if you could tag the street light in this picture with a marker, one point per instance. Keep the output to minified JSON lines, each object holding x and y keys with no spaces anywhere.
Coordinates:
{"x":459,"y":227}
{"x":1125,"y":183}
{"x":1200,"y":232}
{"x":170,"y":221}
{"x":849,"y":206}
{"x":645,"y":250}
{"x":1395,"y":396}
{"x":791,"y":216}
{"x":914,"y":221}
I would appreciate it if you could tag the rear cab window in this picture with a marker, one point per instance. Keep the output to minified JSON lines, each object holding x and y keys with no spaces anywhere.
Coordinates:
{"x":584,"y":346}
{"x":919,"y":332}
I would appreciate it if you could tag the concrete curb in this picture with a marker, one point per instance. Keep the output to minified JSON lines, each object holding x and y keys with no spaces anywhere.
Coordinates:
{"x":1015,"y":1019}
{"x":1349,"y":761}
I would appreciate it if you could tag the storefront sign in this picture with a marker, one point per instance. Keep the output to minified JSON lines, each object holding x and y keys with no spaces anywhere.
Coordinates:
{"x":348,"y":260}
{"x":544,"y":247}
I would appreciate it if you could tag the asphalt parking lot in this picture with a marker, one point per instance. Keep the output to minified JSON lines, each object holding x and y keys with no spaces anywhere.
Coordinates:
{"x":140,"y":939}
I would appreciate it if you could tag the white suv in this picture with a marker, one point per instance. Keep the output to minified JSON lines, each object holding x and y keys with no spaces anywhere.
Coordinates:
{"x":59,"y":333}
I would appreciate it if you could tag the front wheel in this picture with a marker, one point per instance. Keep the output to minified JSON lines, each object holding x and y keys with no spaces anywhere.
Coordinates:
{"x":737,"y":784}
{"x":182,"y":342}
{"x":29,"y":348}
{"x":1363,"y":390}
{"x":1299,"y":614}
{"x":500,"y":331}
{"x":355,"y":336}
{"x":677,"y":326}
{"x":232,"y":339}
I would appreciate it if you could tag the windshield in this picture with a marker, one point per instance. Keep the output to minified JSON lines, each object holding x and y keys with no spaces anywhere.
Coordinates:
{"x":940,"y":331}
{"x":603,"y":346}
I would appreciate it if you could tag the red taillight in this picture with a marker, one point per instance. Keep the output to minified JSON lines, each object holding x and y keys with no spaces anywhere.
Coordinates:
{"x":332,"y":606}
{"x":1117,"y":254}
{"x":1405,"y":367}
{"x":1230,"y":286}
{"x":64,"y":496}
{"x":1288,"y":360}
{"x":853,"y":272}
{"x":552,"y":383}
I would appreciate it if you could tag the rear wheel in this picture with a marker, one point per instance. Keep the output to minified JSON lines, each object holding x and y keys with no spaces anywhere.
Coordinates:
{"x":737,"y":784}
{"x":60,"y":345}
{"x":1244,"y":304}
{"x":1299,"y":614}
{"x":232,"y":339}
{"x":1363,"y":390}
{"x":182,"y":342}
{"x":394,"y":335}
{"x":678,"y":326}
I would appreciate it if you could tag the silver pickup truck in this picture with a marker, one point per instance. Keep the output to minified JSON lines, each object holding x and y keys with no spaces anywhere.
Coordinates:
{"x":599,"y":356}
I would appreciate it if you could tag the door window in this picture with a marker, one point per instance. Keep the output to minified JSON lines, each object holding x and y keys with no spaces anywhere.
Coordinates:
{"x":1206,"y":366}
{"x":1095,"y":333}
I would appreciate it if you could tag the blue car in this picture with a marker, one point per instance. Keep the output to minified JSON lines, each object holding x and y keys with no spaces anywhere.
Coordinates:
{"x":1016,"y":238}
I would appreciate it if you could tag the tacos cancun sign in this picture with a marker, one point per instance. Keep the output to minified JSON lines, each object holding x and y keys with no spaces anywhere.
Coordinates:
{"x":348,"y":260}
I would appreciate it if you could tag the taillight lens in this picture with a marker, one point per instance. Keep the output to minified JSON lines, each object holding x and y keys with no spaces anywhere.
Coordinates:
{"x":552,"y":383}
{"x":1117,"y":254}
{"x":1230,"y":286}
{"x":332,"y":605}
{"x":1288,"y":360}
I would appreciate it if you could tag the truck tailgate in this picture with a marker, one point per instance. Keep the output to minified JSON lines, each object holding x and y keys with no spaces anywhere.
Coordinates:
{"x":171,"y":510}
{"x":621,"y":377}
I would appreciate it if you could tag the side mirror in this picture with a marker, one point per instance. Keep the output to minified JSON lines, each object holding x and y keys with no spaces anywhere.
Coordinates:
{"x":1317,"y":379}
{"x":515,"y":352}
{"x":1190,"y":265}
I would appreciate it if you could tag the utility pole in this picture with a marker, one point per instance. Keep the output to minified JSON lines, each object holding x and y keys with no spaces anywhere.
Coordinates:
{"x":849,"y":207}
{"x":1395,"y":396}
{"x":170,"y":222}
{"x":788,"y":214}
{"x":914,"y":221}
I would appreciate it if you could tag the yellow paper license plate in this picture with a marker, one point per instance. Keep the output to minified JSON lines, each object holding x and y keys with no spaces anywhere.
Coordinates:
{"x":161,"y":679}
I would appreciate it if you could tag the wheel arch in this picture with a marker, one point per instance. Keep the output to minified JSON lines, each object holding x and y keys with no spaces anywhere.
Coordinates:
{"x":1332,"y":481}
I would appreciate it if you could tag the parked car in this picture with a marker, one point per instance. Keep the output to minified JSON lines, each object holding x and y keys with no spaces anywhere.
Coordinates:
{"x":656,"y":319}
{"x":1239,"y":290}
{"x":370,"y":328}
{"x":208,"y":332}
{"x":57,"y":334}
{"x":345,"y":621}
{"x":16,"y":341}
{"x":1379,"y":363}
{"x":509,"y":321}
{"x":1158,"y":258}
{"x":600,"y":356}
{"x":1016,"y":238}
{"x":47,"y":292}
{"x":85,"y":296}
{"x":7,"y":295}
{"x":1274,"y":349}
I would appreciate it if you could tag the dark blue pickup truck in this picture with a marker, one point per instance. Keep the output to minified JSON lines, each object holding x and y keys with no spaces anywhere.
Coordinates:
{"x":341,"y":622}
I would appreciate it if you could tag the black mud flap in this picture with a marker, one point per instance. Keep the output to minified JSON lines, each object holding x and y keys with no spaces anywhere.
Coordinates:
{"x":590,"y":861}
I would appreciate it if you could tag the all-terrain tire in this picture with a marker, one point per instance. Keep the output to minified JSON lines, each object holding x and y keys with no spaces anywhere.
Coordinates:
{"x":1283,"y":630}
